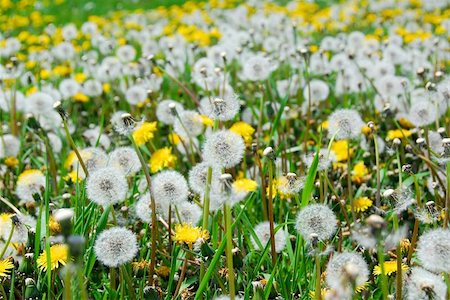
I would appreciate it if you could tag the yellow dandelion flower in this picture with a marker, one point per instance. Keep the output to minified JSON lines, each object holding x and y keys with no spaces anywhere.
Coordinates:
{"x":80,"y":97}
{"x":404,"y":245}
{"x":163,"y":271}
{"x":106,"y":87}
{"x":245,"y":185}
{"x":80,"y":77}
{"x":53,"y":225}
{"x":162,"y":158}
{"x":360,"y":173}
{"x":206,"y":121}
{"x":59,"y":255}
{"x":188,"y":234}
{"x":390,"y":267}
{"x":398,"y":133}
{"x":362,"y":204}
{"x":73,"y":176}
{"x":174,"y":138}
{"x":5,"y":266}
{"x":140,"y":265}
{"x":144,"y":132}
{"x":25,"y":175}
{"x":11,"y":161}
{"x":244,"y":130}
{"x":340,"y":149}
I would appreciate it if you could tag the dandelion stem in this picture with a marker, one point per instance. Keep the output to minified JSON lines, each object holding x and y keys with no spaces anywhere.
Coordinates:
{"x":384,"y":283}
{"x":270,"y":208}
{"x":447,"y":196}
{"x":11,"y":232}
{"x":182,"y":275}
{"x":318,"y":294}
{"x":229,"y":250}
{"x":74,"y":147}
{"x":153,"y":209}
{"x":130,"y":286}
{"x":377,"y":162}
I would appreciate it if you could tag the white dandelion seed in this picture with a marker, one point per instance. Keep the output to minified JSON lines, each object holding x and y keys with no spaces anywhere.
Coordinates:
{"x":9,"y":145}
{"x":222,"y":109}
{"x":316,"y":219}
{"x":424,"y":285}
{"x":345,"y":124}
{"x":29,"y":183}
{"x":164,"y":111}
{"x":262,"y":231}
{"x":169,"y":187}
{"x":422,"y":113}
{"x":433,"y":250}
{"x":188,"y":124}
{"x":340,"y":264}
{"x":198,"y":176}
{"x":107,"y":186}
{"x":125,"y":159}
{"x":116,"y":246}
{"x":224,"y":149}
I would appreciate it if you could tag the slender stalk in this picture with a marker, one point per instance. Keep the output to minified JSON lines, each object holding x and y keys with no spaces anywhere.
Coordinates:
{"x":270,"y":208}
{"x":74,"y":147}
{"x":383,"y":277}
{"x":67,"y":284}
{"x":182,"y":275}
{"x":447,"y":197}
{"x":112,"y":279}
{"x":229,"y":251}
{"x":318,"y":294}
{"x":153,"y":208}
{"x":11,"y":232}
{"x":129,"y":283}
{"x":377,"y":162}
{"x":398,"y":278}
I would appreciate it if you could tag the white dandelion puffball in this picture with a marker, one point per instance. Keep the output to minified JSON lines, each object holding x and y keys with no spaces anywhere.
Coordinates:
{"x":107,"y":186}
{"x":224,"y":149}
{"x":340,"y":263}
{"x":222,"y":109}
{"x":169,"y":187}
{"x":93,"y":158}
{"x":144,"y":211}
{"x":198,"y":176}
{"x":136,"y":94}
{"x":345,"y":124}
{"x":422,"y":113}
{"x":125,"y":159}
{"x":39,"y":103}
{"x":164,"y":111}
{"x":116,"y":246}
{"x":188,"y":124}
{"x":433,"y":250}
{"x":256,"y":68}
{"x":319,"y":91}
{"x":30,"y":182}
{"x":9,"y":145}
{"x":420,"y":284}
{"x":262,"y":231}
{"x":316,"y":219}
{"x":188,"y":212}
{"x":325,"y":159}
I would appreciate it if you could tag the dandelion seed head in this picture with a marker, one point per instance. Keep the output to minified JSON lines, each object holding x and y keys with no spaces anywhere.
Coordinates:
{"x":338,"y":266}
{"x":116,"y":246}
{"x":107,"y":186}
{"x":422,"y":113}
{"x":422,"y":284}
{"x":222,"y":109}
{"x":9,"y":146}
{"x":433,"y":250}
{"x":316,"y":219}
{"x":30,"y":182}
{"x":262,"y":231}
{"x":189,"y":213}
{"x":224,"y":149}
{"x":125,"y":159}
{"x":169,"y":187}
{"x":165,"y":111}
{"x":345,"y":124}
{"x":198,"y":176}
{"x":325,"y":159}
{"x":188,"y":124}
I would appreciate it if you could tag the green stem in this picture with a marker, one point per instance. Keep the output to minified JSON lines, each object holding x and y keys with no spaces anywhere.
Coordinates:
{"x":229,"y":251}
{"x":270,"y":212}
{"x":318,"y":294}
{"x":384,"y":283}
{"x":8,"y":240}
{"x":74,"y":148}
{"x":153,"y":208}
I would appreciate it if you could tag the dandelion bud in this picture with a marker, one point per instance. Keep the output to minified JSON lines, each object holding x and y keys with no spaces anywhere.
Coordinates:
{"x":314,"y":239}
{"x":203,"y":72}
{"x":420,"y":141}
{"x":371,"y":125}
{"x":126,"y":125}
{"x":441,"y":130}
{"x":150,"y":57}
{"x":429,"y":86}
{"x":269,"y":153}
{"x":407,"y":168}
{"x":254,"y":148}
{"x":397,"y":141}
{"x":226,"y":181}
{"x":31,"y":291}
{"x":376,"y":222}
{"x":60,"y":110}
{"x":420,"y":71}
{"x":438,"y":74}
{"x":64,"y":217}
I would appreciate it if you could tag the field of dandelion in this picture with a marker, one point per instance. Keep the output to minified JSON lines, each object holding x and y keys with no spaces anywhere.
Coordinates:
{"x":224,"y":149}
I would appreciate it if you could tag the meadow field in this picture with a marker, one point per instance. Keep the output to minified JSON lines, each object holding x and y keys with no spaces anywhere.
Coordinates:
{"x":224,"y":149}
